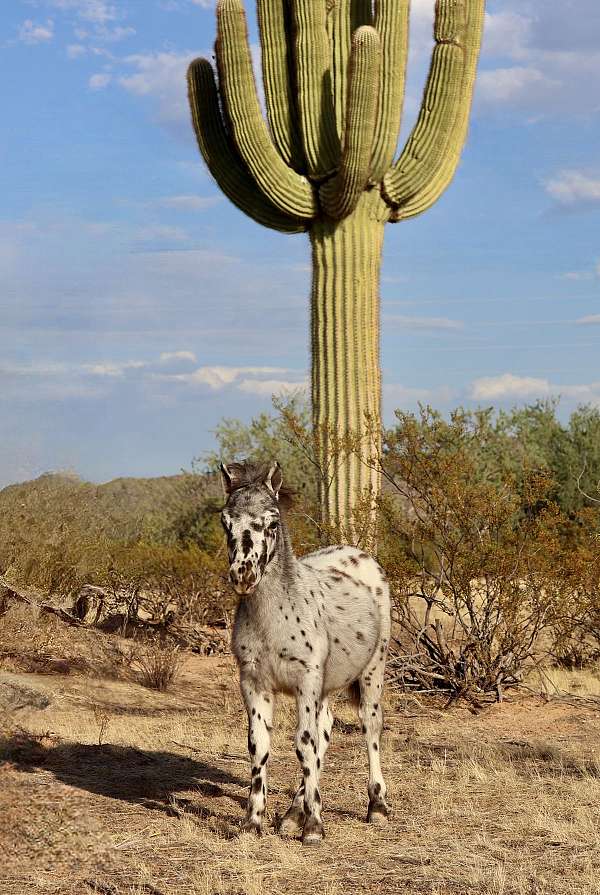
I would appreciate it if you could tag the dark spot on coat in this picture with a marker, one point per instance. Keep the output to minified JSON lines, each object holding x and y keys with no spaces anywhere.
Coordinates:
{"x":246,"y":541}
{"x":257,"y":785}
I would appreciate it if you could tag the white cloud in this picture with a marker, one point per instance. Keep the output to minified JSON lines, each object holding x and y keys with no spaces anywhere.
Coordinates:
{"x":508,"y":386}
{"x":506,"y":33}
{"x":116,"y":34}
{"x":577,"y":275}
{"x":574,"y":188}
{"x":98,"y":12}
{"x":113,"y":370}
{"x":161,"y":76}
{"x":267,"y":387}
{"x":168,"y":356}
{"x":551,"y":62}
{"x":590,"y":319}
{"x":219,"y":377}
{"x":98,"y":20}
{"x":99,"y":81}
{"x":489,"y":388}
{"x":32,"y":32}
{"x":512,"y":85}
{"x":75,"y":51}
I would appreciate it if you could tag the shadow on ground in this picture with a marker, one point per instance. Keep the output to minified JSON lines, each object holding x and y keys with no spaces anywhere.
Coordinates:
{"x":140,"y":777}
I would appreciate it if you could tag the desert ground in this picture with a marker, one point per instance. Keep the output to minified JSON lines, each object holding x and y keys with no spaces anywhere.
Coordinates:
{"x":109,"y":787}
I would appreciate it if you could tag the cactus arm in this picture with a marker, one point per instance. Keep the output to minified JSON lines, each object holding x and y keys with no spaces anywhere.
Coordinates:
{"x":343,"y":18}
{"x":288,"y":191}
{"x":221,"y":157}
{"x":314,"y":85}
{"x":275,"y":25}
{"x":340,"y":195}
{"x":391,"y":22}
{"x":430,"y":157}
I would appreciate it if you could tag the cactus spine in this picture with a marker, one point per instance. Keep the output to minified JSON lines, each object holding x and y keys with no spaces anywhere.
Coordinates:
{"x":324,"y":163}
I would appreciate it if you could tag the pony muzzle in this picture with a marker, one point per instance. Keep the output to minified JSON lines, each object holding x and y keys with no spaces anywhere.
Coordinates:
{"x":244,"y":580}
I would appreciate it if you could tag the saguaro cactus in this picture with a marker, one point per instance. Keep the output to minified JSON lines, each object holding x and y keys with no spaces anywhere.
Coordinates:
{"x":334,"y":75}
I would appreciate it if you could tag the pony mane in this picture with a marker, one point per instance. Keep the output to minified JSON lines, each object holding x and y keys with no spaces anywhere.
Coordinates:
{"x":250,"y":473}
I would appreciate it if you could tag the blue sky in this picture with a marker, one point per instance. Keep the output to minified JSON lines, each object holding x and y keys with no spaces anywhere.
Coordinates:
{"x":139,"y":307}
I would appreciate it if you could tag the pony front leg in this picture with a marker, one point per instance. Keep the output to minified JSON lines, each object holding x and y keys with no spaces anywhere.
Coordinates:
{"x":292,"y":822}
{"x":307,"y":751}
{"x":259,"y":706}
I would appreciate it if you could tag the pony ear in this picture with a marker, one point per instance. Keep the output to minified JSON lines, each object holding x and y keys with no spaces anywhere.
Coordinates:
{"x":274,"y":478}
{"x":226,"y":479}
{"x":233,"y":476}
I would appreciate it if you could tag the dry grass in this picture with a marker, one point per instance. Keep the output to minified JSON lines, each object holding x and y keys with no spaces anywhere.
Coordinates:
{"x":500,"y":803}
{"x":32,"y":640}
{"x":157,"y":664}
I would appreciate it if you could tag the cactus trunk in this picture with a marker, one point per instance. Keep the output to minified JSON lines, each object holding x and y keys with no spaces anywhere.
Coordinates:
{"x":346,"y":379}
{"x":334,"y":74}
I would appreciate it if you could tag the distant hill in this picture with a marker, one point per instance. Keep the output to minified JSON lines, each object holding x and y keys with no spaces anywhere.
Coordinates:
{"x":51,"y":506}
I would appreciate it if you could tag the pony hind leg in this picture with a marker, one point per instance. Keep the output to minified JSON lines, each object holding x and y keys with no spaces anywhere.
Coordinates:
{"x":292,"y":822}
{"x":371,"y":715}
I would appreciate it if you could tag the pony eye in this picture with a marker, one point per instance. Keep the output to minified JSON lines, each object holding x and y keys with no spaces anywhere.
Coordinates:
{"x":273,"y":524}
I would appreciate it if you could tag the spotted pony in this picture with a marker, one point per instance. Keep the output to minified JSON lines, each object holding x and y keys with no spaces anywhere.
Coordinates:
{"x":305,"y":627}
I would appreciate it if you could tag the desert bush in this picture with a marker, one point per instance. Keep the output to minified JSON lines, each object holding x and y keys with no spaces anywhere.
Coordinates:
{"x":487,"y":528}
{"x":157,"y":663}
{"x":466,"y":549}
{"x":575,"y":581}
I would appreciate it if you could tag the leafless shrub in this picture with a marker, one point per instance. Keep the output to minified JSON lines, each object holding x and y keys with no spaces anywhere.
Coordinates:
{"x":156,"y":664}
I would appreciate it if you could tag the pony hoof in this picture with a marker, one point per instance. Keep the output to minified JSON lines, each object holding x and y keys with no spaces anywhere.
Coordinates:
{"x":378,"y":814}
{"x":313,"y":840}
{"x":313,"y":832}
{"x":250,"y":826}
{"x":290,"y":825}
